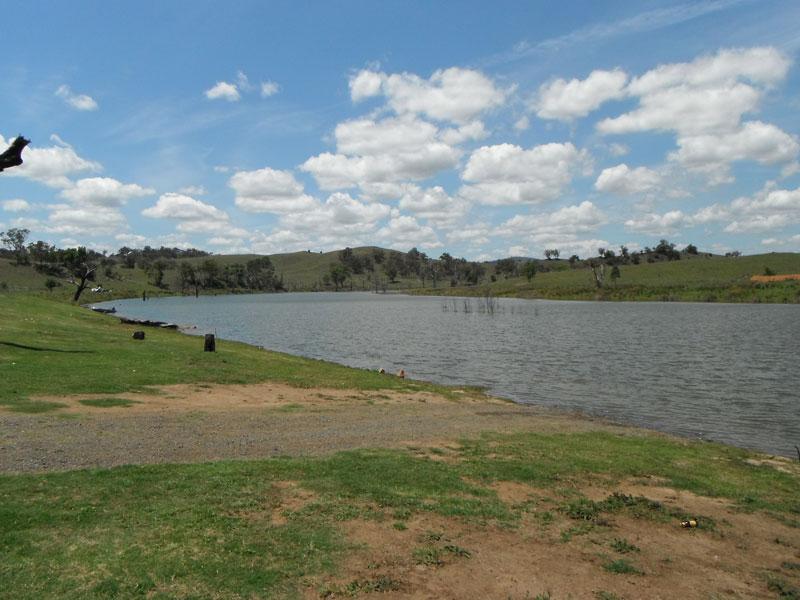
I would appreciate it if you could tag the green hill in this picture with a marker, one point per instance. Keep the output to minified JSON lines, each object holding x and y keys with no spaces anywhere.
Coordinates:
{"x":702,"y":277}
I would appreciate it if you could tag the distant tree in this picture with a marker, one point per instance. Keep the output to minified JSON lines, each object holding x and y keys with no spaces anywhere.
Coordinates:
{"x":768,"y":271}
{"x":624,"y":254}
{"x":260,"y":274}
{"x":393,"y":266}
{"x":51,"y":283}
{"x":14,"y":239}
{"x":551,"y":253}
{"x":338,"y":273}
{"x":156,"y":271}
{"x":529,"y":270}
{"x":598,"y":272}
{"x":210,"y":270}
{"x":378,"y":256}
{"x":506,"y":266}
{"x":187,"y":277}
{"x":81,"y":268}
{"x":691,"y":249}
{"x":615,"y":274}
{"x":573,"y":260}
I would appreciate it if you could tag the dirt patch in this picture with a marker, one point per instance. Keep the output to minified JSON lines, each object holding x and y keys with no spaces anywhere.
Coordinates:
{"x":769,"y":278}
{"x":209,"y":398}
{"x":438,"y":557}
{"x":293,"y":499}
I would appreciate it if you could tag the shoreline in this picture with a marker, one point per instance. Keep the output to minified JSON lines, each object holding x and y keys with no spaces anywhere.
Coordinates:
{"x":193,"y":330}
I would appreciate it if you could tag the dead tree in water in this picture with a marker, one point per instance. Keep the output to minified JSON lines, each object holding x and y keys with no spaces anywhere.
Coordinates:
{"x":13,"y":156}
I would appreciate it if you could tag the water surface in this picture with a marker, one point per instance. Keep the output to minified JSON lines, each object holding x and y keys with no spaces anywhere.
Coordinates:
{"x":724,"y":372}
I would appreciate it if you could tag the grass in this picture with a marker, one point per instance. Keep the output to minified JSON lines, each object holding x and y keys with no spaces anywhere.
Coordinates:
{"x":622,"y":567}
{"x":51,"y":348}
{"x":108,"y":402}
{"x":206,"y":529}
{"x":715,"y":279}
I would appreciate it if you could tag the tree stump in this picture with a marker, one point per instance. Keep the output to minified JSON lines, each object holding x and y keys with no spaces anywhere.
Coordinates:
{"x":138,"y":335}
{"x":210,"y":343}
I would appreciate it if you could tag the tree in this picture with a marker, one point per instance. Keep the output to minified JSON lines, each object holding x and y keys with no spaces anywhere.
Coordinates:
{"x":392,"y":266}
{"x":551,"y":253}
{"x":188,"y":277}
{"x":615,"y":274}
{"x":156,"y":272}
{"x":573,"y":260}
{"x":529,"y":270}
{"x":15,"y":238}
{"x":210,"y":270}
{"x":506,"y":266}
{"x":338,"y":274}
{"x":598,"y":272}
{"x":691,"y":249}
{"x":51,"y":283}
{"x":81,"y":268}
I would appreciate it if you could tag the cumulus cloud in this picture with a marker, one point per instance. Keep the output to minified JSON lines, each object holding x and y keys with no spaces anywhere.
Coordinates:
{"x":655,"y":224}
{"x":51,"y":165}
{"x":223,"y":90}
{"x":623,"y":180}
{"x":270,"y":191}
{"x":104,"y":191}
{"x":404,"y":232}
{"x":566,"y":221}
{"x":704,"y":102}
{"x":69,"y":219}
{"x":76,"y":101}
{"x":508,"y":174}
{"x":193,"y":216}
{"x":16,"y":205}
{"x":384,"y":152}
{"x":453,"y":94}
{"x":434,"y":204}
{"x":567,"y":100}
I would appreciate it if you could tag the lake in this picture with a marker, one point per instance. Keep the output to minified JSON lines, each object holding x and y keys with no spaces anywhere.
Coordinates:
{"x":723,"y":372}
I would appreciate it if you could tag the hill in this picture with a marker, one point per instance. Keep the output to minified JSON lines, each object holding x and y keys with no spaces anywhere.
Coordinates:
{"x":643,"y":276}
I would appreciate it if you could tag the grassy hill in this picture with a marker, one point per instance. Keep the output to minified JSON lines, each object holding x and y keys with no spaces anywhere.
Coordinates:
{"x":702,"y":278}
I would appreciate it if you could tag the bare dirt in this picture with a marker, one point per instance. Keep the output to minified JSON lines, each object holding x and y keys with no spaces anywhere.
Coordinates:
{"x":195,"y":423}
{"x":428,"y":556}
{"x":735,"y":560}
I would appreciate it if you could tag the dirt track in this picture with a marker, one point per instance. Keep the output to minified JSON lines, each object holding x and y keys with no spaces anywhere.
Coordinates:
{"x":191,"y":423}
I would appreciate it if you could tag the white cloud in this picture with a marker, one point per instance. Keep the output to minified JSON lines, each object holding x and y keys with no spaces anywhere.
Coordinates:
{"x":508,"y":174}
{"x":269,"y":88}
{"x":566,"y":221}
{"x":522,"y":123}
{"x":183,"y":208}
{"x":16,"y":205}
{"x":223,"y":90}
{"x":453,"y":94}
{"x":104,"y":191}
{"x":404,"y":232}
{"x":704,"y":102}
{"x":76,"y":101}
{"x":476,"y":235}
{"x":383,"y":152}
{"x":567,"y":100}
{"x":655,"y":224}
{"x":625,"y":181}
{"x":270,"y":190}
{"x":434,"y":204}
{"x":712,"y":153}
{"x":474,"y":130}
{"x":82,"y":221}
{"x":193,"y":216}
{"x":51,"y":165}
{"x":193,"y":190}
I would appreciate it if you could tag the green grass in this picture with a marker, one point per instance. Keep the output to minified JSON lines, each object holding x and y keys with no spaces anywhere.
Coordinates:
{"x":51,"y":348}
{"x":715,"y":279}
{"x":108,"y":402}
{"x":621,"y":566}
{"x":206,"y":530}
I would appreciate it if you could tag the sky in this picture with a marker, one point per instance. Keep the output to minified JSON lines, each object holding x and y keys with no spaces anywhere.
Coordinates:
{"x":482,"y":129}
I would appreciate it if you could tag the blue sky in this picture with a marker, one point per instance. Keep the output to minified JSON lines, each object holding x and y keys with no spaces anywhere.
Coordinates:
{"x":481,"y":129}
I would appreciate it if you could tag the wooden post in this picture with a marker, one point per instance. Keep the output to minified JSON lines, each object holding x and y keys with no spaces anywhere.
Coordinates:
{"x":210,"y":344}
